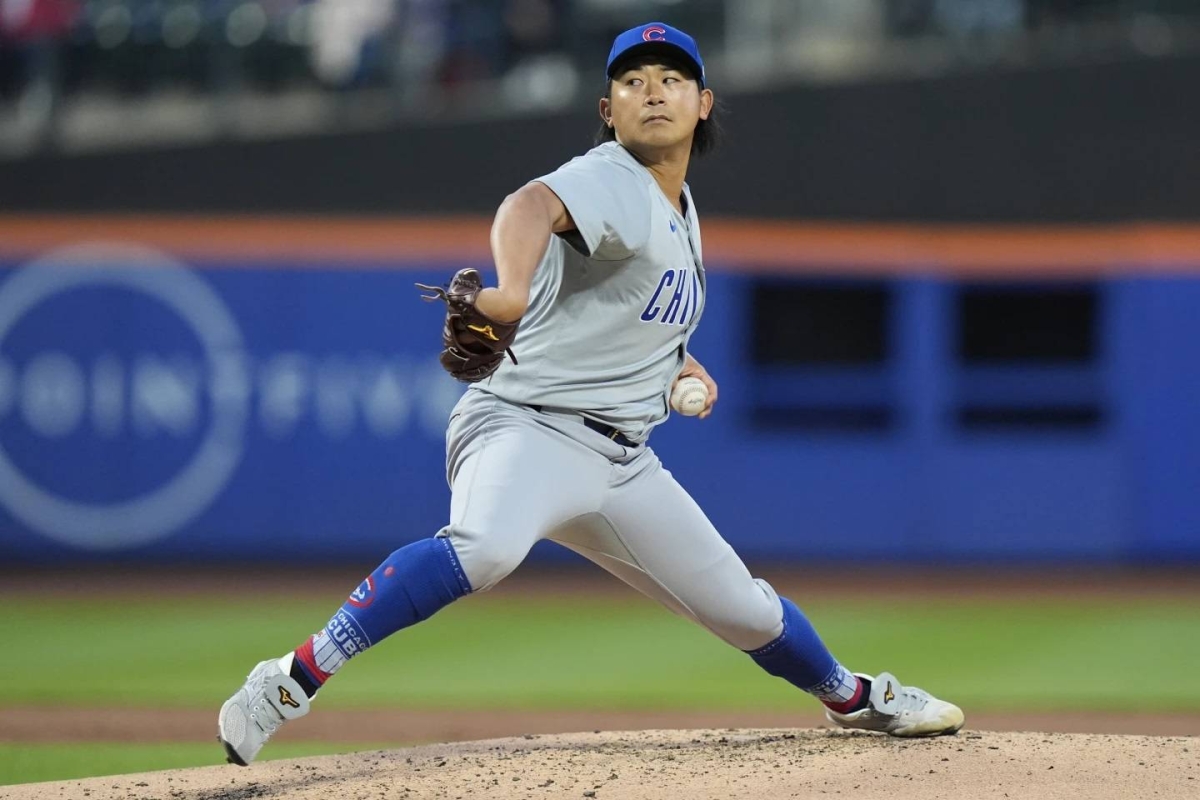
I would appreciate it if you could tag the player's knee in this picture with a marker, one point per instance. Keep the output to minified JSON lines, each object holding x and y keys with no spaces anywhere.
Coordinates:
{"x":486,"y":559}
{"x":751,"y":620}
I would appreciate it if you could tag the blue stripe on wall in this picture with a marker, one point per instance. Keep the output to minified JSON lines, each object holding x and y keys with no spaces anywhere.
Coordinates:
{"x":328,"y":406}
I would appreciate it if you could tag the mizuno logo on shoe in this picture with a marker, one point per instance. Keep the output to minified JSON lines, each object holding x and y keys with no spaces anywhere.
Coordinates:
{"x":888,"y":694}
{"x":285,"y":697}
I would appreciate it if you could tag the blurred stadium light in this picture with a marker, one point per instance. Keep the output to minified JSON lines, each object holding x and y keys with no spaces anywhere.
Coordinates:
{"x":90,"y":74}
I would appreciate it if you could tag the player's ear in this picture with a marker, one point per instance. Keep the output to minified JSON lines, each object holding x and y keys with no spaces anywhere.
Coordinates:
{"x":606,"y":111}
{"x":706,"y":103}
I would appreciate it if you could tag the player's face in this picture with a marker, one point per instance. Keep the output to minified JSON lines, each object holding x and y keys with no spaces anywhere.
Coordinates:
{"x":655,"y":105}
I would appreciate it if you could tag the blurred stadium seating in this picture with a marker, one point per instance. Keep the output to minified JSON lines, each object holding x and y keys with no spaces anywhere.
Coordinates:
{"x":73,"y":71}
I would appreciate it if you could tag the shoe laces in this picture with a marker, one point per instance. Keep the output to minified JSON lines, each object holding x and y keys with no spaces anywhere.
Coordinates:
{"x":262,"y":713}
{"x":913,"y":699}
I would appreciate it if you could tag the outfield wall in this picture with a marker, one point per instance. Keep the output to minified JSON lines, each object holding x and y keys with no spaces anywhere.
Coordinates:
{"x":226,"y":390}
{"x":1100,"y":141}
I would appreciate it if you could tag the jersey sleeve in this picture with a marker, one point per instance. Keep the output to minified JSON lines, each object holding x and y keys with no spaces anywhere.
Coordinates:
{"x":609,"y":203}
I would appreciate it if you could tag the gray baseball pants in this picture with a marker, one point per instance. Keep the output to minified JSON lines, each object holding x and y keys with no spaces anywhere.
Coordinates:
{"x":519,"y":476}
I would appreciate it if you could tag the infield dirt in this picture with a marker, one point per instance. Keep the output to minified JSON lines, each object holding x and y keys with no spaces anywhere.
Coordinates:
{"x":696,"y":765}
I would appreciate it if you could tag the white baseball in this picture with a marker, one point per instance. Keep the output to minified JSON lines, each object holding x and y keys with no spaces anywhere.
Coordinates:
{"x":689,"y":396}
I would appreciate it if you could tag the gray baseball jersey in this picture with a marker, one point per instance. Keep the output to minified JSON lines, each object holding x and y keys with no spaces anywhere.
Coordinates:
{"x":611,"y":309}
{"x":613,"y":303}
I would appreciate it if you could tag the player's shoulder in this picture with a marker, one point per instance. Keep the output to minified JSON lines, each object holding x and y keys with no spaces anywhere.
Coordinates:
{"x":610,"y":158}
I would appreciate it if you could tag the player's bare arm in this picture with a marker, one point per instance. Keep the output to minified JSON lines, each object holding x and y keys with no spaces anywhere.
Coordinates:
{"x":694,"y":369}
{"x":520,"y":232}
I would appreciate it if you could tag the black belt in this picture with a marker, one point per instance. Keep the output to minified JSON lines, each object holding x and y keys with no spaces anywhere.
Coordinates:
{"x":602,"y":429}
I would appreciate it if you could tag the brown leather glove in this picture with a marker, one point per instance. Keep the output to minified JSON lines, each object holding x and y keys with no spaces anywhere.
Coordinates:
{"x":475,"y":343}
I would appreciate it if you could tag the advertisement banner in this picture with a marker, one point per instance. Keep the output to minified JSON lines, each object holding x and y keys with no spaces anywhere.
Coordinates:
{"x":151,"y":405}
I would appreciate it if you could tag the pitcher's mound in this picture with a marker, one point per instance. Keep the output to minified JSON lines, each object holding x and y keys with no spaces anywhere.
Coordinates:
{"x":693,"y":764}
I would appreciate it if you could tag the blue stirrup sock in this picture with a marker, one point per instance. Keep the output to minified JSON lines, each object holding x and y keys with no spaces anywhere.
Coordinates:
{"x":411,"y":585}
{"x":800,"y":657}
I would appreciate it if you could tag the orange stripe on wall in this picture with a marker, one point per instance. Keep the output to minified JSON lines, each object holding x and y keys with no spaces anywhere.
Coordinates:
{"x":729,"y":244}
{"x":306,"y":241}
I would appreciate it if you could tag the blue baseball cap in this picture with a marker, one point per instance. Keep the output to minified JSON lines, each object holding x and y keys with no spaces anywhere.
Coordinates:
{"x":657,"y":37}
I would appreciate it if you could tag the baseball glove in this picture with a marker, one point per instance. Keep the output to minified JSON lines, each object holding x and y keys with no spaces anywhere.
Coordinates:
{"x":475,"y":343}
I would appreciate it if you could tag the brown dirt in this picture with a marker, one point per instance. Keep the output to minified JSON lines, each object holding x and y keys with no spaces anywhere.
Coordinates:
{"x":694,"y":764}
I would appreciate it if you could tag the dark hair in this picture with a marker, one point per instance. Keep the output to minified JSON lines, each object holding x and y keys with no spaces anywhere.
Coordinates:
{"x":708,"y":131}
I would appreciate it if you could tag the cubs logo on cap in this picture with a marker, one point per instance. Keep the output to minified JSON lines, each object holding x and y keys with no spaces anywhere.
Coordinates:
{"x":656,"y":37}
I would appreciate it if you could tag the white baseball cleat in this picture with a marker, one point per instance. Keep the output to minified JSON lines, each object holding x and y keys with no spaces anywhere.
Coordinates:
{"x":268,"y":699}
{"x":901,"y":710}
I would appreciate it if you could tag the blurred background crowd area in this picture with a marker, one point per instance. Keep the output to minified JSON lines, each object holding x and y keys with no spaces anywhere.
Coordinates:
{"x":86,"y":74}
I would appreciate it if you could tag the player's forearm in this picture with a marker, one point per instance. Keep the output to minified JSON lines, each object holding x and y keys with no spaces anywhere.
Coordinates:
{"x":520,"y":233}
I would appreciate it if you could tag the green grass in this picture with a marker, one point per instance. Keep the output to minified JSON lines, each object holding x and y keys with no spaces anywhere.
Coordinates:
{"x":20,"y":763}
{"x":573,"y":652}
{"x":585,"y":652}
